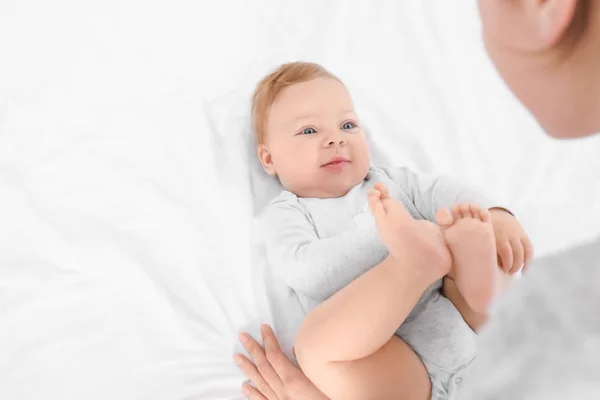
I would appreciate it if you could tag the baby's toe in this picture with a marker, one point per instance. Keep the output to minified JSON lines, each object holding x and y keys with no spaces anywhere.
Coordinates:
{"x":475,"y":209}
{"x":485,"y":215}
{"x":455,"y":210}
{"x":465,"y":210}
{"x":443,"y":218}
{"x":383,"y":190}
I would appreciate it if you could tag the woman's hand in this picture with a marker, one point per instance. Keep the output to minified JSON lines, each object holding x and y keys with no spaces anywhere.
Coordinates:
{"x":273,"y":374}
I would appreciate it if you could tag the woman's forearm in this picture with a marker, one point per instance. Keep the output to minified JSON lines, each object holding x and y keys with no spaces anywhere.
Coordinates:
{"x":361,"y":317}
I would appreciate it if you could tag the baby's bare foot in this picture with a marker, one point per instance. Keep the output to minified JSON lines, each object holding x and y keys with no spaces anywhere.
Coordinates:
{"x":418,"y":245}
{"x":470,"y":237}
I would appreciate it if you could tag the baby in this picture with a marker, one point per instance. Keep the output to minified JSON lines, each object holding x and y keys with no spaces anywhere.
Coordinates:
{"x":321,"y":235}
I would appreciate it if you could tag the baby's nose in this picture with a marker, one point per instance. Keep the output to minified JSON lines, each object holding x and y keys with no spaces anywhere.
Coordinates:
{"x":336,"y":139}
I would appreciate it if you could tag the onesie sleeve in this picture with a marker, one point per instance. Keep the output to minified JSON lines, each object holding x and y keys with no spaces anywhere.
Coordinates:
{"x":312,"y":266}
{"x":430,"y":192}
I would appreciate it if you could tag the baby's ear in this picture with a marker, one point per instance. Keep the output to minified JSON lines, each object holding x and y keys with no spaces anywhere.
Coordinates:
{"x":266,"y":160}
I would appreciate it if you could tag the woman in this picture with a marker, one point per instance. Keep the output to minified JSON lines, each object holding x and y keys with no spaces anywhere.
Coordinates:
{"x":548,"y":53}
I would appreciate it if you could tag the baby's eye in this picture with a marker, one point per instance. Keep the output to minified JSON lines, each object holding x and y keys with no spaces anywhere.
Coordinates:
{"x":349,"y":125}
{"x":308,"y":131}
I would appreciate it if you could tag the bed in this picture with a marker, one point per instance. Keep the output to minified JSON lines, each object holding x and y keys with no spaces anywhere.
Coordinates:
{"x":129,"y":187}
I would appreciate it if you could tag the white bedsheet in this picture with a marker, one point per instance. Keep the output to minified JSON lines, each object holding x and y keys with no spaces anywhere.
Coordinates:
{"x":126,"y":196}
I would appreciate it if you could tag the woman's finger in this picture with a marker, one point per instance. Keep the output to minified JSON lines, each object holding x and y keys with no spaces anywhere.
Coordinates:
{"x":268,"y":377}
{"x":280,"y":364}
{"x":251,"y":393}
{"x":252,"y":373}
{"x":277,"y":358}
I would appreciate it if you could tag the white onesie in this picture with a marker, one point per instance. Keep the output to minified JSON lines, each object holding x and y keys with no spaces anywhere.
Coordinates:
{"x":318,"y":246}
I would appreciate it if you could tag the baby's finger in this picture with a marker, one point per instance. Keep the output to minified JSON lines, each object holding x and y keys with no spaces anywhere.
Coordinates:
{"x":505,"y":253}
{"x":518,"y":256}
{"x":528,"y":248}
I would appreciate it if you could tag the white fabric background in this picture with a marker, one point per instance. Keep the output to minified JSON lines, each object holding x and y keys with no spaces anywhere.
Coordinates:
{"x":126,"y":195}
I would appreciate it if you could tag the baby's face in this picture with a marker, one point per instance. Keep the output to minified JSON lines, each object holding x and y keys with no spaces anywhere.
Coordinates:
{"x":314,"y":142}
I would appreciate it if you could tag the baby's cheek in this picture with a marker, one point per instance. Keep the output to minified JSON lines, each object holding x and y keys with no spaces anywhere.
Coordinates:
{"x":360,"y":153}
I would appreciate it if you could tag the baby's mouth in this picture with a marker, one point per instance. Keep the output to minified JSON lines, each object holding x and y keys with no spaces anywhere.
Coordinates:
{"x":336,"y":161}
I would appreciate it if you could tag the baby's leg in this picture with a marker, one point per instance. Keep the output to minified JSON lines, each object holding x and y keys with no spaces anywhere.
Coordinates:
{"x":392,"y":372}
{"x":474,"y":319}
{"x":470,"y":237}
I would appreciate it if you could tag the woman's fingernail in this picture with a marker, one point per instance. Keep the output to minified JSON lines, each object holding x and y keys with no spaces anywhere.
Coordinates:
{"x":246,"y":390}
{"x":237,"y":359}
{"x":243,"y":337}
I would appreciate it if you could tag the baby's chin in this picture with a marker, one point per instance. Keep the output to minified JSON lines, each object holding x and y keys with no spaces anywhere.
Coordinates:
{"x":331,"y":190}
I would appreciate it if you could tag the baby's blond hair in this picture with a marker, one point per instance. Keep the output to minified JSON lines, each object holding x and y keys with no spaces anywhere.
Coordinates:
{"x":271,"y":85}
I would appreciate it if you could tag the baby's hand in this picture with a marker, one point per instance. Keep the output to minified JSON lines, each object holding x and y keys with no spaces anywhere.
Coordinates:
{"x":512,"y":243}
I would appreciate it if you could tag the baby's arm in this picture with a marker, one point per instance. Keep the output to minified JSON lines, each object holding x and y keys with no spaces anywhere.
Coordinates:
{"x":430,"y":192}
{"x":312,"y":266}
